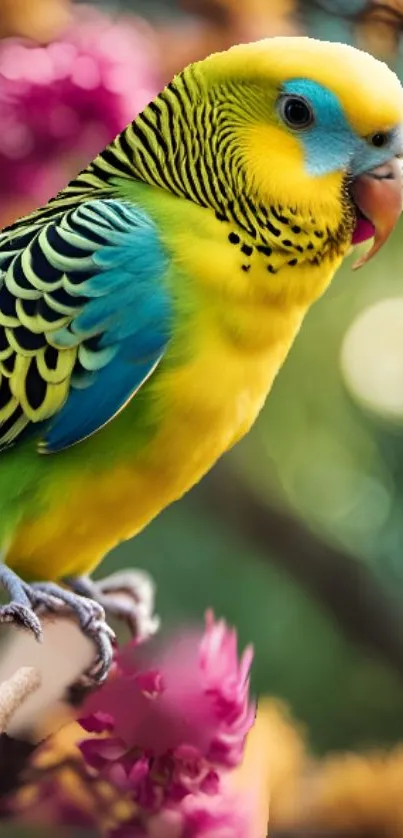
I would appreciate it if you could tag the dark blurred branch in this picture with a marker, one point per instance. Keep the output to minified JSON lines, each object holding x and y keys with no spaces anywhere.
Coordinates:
{"x":374,"y":10}
{"x":364,"y":610}
{"x":379,"y":12}
{"x":14,"y":758}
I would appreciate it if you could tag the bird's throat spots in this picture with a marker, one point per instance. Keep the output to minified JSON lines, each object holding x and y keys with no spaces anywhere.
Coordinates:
{"x":233,"y":238}
{"x":282,"y":237}
{"x":247,"y":249}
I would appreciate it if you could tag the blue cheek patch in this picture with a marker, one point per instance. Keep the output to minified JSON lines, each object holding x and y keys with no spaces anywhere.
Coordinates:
{"x":331,"y":144}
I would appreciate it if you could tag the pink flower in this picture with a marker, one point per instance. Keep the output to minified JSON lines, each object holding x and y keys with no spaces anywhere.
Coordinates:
{"x":221,"y":816}
{"x":60,"y":104}
{"x":227,"y":684}
{"x":174,"y":719}
{"x":166,"y":731}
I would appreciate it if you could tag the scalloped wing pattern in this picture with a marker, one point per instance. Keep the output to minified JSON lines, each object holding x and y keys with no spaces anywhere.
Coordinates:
{"x":84,"y":319}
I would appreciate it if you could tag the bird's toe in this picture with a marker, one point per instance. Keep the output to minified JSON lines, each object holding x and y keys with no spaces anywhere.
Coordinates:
{"x":127,"y":596}
{"x":23,"y":616}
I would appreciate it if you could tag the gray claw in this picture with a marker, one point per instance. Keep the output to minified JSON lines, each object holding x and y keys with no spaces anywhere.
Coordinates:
{"x":23,"y":616}
{"x":47,"y":597}
{"x":135,"y":608}
{"x":91,"y":618}
{"x":104,"y":638}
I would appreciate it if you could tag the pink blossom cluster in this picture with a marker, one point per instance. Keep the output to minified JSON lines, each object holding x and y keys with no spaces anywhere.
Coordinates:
{"x":60,"y":104}
{"x":168,"y":729}
{"x":218,"y":816}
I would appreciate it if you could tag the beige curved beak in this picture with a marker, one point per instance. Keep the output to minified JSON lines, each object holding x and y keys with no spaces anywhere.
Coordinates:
{"x":378,"y":194}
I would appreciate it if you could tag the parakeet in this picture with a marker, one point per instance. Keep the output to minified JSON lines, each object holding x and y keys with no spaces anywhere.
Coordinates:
{"x":147,"y":308}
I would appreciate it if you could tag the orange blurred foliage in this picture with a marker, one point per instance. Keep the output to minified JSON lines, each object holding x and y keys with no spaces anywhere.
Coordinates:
{"x":41,"y":20}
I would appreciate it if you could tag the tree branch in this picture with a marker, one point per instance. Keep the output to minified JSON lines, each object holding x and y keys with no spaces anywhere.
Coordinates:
{"x":14,"y":753}
{"x":14,"y":691}
{"x":364,"y":610}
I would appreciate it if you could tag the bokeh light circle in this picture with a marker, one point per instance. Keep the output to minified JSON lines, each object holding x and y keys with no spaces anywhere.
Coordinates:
{"x":371,"y":359}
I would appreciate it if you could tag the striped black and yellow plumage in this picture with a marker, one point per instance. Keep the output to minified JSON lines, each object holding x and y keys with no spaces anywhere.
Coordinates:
{"x":49,"y":274}
{"x":182,"y":143}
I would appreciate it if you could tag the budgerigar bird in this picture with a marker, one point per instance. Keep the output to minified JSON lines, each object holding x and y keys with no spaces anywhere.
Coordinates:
{"x":145,"y":311}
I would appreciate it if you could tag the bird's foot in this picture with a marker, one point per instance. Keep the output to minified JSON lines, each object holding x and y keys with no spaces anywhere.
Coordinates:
{"x":19,"y":610}
{"x":127,"y":596}
{"x":49,"y":598}
{"x":28,"y":603}
{"x":21,"y":615}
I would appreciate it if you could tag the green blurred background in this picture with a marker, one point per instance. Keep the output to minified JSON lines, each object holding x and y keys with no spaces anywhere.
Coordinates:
{"x":297,"y":538}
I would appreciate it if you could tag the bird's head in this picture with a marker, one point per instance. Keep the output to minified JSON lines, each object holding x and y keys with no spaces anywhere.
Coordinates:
{"x":309,"y":125}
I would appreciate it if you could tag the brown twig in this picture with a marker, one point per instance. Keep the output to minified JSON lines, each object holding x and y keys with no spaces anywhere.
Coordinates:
{"x":14,"y":753}
{"x":14,"y":691}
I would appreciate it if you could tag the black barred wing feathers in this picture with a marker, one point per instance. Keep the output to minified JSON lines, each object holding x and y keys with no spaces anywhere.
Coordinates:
{"x":84,"y":319}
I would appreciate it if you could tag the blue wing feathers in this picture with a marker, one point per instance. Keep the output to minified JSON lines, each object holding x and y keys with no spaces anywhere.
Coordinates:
{"x":128,"y":306}
{"x":97,"y":404}
{"x":96,"y":275}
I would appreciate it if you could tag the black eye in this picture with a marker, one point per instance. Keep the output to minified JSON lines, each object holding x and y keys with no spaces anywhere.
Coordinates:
{"x":379,"y":139}
{"x":296,"y":112}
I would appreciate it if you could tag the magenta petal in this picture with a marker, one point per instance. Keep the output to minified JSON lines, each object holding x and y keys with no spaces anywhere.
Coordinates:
{"x":117,"y":776}
{"x":211,"y":783}
{"x":97,"y":723}
{"x":151,"y":683}
{"x":138,"y":772}
{"x":206,"y":817}
{"x":100,"y":752}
